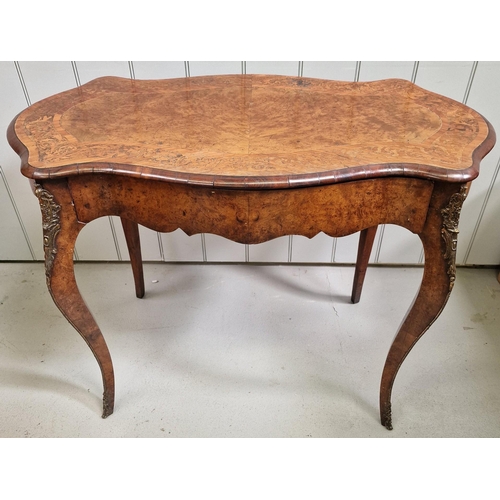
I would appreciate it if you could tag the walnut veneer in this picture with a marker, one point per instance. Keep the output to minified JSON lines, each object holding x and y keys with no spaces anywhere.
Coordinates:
{"x":251,"y":158}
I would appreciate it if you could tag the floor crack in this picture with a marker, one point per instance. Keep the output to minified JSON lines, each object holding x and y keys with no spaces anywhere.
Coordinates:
{"x":330,"y":294}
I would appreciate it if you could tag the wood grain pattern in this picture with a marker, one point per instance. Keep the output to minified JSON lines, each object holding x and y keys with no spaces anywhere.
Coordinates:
{"x":252,"y":216}
{"x":251,"y":131}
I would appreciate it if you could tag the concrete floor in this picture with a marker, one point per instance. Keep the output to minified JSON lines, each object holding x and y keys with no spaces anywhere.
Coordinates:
{"x":247,"y":351}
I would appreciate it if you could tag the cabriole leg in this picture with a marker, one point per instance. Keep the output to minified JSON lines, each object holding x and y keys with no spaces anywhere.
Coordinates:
{"x":60,"y":230}
{"x":439,"y":238}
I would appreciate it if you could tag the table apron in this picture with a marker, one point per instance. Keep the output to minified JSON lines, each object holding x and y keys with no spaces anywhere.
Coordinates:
{"x":253,"y":216}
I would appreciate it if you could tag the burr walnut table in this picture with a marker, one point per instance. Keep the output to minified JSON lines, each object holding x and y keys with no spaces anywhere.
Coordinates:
{"x":251,"y":158}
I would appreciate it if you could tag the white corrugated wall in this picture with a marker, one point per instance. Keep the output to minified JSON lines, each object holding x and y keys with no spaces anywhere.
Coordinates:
{"x":477,"y":84}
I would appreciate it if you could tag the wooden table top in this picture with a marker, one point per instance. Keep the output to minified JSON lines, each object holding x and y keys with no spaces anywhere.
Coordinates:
{"x":251,"y":131}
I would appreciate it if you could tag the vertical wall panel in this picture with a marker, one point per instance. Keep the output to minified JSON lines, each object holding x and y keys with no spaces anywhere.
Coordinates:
{"x":317,"y":249}
{"x":446,"y":78}
{"x":485,"y":248}
{"x":344,"y":70}
{"x":398,"y":246}
{"x":89,"y":70}
{"x":179,"y":247}
{"x":290,"y":68}
{"x":44,"y":79}
{"x":13,"y":101}
{"x":375,"y":70}
{"x":484,"y":97}
{"x":96,"y":242}
{"x":151,"y":70}
{"x":219,"y":249}
{"x":13,"y":244}
{"x":200,"y":68}
{"x":346,"y":249}
{"x":271,"y":251}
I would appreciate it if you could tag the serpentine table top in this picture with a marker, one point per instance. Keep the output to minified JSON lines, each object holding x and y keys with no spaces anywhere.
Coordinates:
{"x":252,"y":131}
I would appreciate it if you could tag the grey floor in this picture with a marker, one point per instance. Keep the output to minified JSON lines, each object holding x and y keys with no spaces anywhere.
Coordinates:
{"x":247,"y":351}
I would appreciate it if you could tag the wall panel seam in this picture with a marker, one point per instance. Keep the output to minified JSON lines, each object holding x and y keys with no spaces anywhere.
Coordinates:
{"x":115,"y":238}
{"x":75,"y":72}
{"x":379,"y":243}
{"x":483,"y":207}
{"x":23,"y":83}
{"x":415,"y":71}
{"x":160,"y":246}
{"x":470,"y":82}
{"x":357,"y":71}
{"x":334,"y":248}
{"x":481,"y":213}
{"x":131,"y":69}
{"x":203,"y":247}
{"x":18,"y":215}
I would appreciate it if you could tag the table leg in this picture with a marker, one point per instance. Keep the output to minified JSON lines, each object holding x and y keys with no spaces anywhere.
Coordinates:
{"x":439,"y":239}
{"x":366,"y":239}
{"x":60,"y":230}
{"x":131,"y":230}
